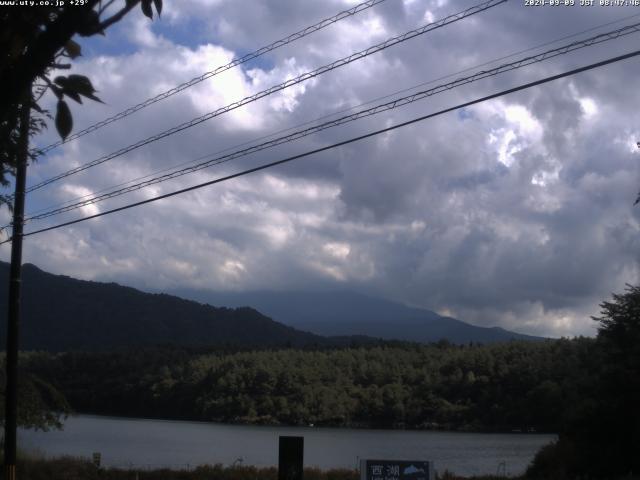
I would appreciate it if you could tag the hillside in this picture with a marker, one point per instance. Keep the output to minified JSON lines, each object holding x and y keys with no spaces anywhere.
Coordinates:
{"x":60,"y":313}
{"x":496,"y":387}
{"x":349,"y":313}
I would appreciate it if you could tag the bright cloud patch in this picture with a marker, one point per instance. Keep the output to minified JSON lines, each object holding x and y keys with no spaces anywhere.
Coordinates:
{"x":517,"y":129}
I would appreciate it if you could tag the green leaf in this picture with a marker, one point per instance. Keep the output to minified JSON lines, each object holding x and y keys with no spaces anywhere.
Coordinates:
{"x":89,"y":25}
{"x":146,"y":8}
{"x":64,"y":120}
{"x":73,"y":49}
{"x":57,"y":91}
{"x":158,"y":4}
{"x":80,"y":84}
{"x":94,"y":98}
{"x":73,"y":95}
{"x":62,"y":81}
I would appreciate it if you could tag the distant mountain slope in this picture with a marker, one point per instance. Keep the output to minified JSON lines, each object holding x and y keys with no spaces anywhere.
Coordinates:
{"x":348,"y":313}
{"x":61,"y":313}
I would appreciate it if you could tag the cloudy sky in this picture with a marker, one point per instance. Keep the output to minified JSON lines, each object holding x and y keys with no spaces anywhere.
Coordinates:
{"x":517,"y":212}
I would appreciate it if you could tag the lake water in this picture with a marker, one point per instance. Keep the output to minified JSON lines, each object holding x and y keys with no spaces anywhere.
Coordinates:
{"x":125,"y":442}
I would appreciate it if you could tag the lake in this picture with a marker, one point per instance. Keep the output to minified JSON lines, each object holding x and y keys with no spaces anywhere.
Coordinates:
{"x":126,"y":442}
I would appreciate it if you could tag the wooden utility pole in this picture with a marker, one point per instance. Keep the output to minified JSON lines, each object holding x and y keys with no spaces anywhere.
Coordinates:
{"x":15,"y":274}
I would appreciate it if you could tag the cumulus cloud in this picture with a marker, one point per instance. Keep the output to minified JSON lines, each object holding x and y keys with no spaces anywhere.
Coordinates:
{"x":515,"y":212}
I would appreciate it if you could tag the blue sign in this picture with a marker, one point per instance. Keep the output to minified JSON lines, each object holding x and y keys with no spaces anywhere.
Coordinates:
{"x":396,"y":470}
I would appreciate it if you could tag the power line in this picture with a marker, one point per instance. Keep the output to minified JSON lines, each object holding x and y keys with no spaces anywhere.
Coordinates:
{"x":223,"y":68}
{"x":339,"y":144}
{"x":276,"y":88}
{"x":597,"y":39}
{"x":301,"y":78}
{"x":288,"y":129}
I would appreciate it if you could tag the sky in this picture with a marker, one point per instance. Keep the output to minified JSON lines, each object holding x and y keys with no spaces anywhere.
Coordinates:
{"x":516,"y":212}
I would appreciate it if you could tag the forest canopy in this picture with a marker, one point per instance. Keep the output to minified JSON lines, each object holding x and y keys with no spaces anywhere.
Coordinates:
{"x":503,"y":387}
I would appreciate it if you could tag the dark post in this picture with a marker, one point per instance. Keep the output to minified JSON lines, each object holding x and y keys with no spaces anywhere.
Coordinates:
{"x":290,"y":458}
{"x":15,"y":273}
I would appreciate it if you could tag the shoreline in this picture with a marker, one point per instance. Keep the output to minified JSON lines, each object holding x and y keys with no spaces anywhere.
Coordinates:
{"x":169,"y":443}
{"x":439,"y":429}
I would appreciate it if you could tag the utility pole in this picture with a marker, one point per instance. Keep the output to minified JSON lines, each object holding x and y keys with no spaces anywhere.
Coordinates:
{"x":15,"y":274}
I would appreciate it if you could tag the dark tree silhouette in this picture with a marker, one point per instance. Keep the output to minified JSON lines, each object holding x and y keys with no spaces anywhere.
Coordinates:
{"x":35,"y":41}
{"x":602,"y":438}
{"x":619,"y":393}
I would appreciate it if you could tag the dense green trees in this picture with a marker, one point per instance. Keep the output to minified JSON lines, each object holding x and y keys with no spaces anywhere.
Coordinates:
{"x":588,"y":390}
{"x":519,"y":385}
{"x":40,"y":405}
{"x":601,"y":437}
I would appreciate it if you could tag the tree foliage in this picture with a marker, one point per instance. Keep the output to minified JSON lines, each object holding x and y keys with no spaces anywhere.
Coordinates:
{"x":36,"y":41}
{"x":501,"y":387}
{"x":602,"y":440}
{"x":41,"y":406}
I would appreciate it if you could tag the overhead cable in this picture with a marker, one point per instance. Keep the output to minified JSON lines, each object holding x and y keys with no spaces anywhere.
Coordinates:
{"x":223,"y":68}
{"x":276,"y":88}
{"x":604,"y":37}
{"x":338,"y":144}
{"x":326,"y":116}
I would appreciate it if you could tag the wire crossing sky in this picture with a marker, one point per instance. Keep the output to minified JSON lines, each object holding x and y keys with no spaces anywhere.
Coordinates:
{"x":277,"y":88}
{"x":339,"y":144}
{"x":621,"y":31}
{"x":223,"y":68}
{"x":549,"y":54}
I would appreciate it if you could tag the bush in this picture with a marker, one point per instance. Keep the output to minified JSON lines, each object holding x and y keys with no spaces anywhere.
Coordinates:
{"x":556,"y":461}
{"x":71,"y":468}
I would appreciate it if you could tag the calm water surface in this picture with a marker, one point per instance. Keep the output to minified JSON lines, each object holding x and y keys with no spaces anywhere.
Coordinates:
{"x":125,"y":442}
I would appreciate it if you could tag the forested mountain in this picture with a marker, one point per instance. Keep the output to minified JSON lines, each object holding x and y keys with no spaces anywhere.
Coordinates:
{"x":349,"y":313}
{"x":497,"y":387}
{"x":60,"y":313}
{"x":585,"y":389}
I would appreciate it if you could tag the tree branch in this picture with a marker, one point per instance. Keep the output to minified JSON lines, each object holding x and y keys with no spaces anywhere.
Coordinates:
{"x":38,"y":58}
{"x":103,"y":8}
{"x":118,"y":16}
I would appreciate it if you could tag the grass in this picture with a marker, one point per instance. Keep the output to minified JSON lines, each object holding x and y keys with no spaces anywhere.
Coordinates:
{"x":73,"y":468}
{"x":36,"y":467}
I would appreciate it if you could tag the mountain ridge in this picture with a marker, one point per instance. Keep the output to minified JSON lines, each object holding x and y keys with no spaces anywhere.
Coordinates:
{"x":61,"y":313}
{"x":340,"y":313}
